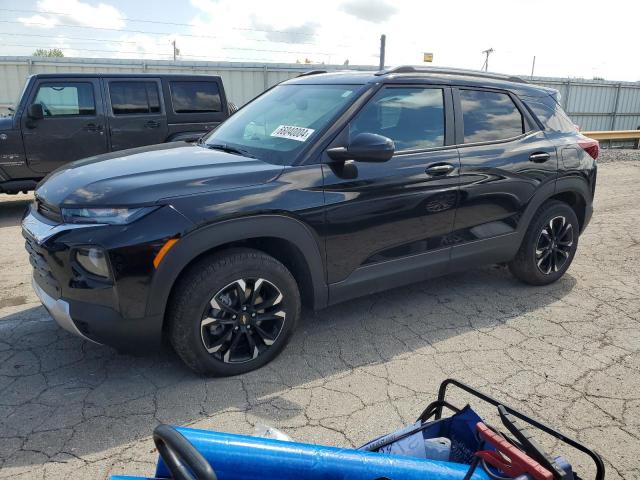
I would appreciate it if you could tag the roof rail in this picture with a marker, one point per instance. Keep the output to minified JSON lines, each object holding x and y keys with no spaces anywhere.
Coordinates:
{"x":450,"y":71}
{"x":312,"y":72}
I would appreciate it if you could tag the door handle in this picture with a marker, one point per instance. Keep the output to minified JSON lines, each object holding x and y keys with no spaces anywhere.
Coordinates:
{"x":92,"y":127}
{"x":152,"y":124}
{"x":439,"y":169}
{"x":539,"y":157}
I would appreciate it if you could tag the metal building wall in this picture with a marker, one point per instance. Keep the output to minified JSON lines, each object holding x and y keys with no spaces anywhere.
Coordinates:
{"x":592,"y":104}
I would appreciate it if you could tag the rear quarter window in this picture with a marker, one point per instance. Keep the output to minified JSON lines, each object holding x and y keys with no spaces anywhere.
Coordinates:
{"x":551,"y":115}
{"x":195,"y":97}
{"x":489,"y":116}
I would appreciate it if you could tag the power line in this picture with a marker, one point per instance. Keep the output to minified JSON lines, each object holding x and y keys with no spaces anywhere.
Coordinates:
{"x":28,"y":23}
{"x":65,"y":37}
{"x":164,"y":34}
{"x":82,"y":49}
{"x":157,"y":22}
{"x":143,"y":53}
{"x":83,"y":39}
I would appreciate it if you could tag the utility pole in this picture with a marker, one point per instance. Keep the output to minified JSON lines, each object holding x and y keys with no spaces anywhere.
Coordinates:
{"x":533,"y":66}
{"x":176,"y":51}
{"x":383,"y":44}
{"x":487,"y":52}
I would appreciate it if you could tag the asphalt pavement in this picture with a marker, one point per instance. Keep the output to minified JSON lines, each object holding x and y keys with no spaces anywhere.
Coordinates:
{"x":568,"y":353}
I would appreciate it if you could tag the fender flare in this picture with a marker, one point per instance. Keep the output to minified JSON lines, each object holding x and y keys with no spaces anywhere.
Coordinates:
{"x":573,"y":184}
{"x":206,"y":238}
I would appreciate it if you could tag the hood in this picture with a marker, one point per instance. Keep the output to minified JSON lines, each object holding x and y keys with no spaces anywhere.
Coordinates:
{"x":6,"y":123}
{"x":146,"y":175}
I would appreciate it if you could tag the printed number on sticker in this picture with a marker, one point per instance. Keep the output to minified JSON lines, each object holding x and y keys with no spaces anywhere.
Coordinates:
{"x":293,"y":133}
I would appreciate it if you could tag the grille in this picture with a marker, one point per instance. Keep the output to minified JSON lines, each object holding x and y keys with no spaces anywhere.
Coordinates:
{"x":49,"y":211}
{"x":41,"y":270}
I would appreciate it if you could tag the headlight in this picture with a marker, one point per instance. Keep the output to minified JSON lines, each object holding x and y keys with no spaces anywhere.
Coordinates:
{"x":93,"y":260}
{"x":113,"y":216}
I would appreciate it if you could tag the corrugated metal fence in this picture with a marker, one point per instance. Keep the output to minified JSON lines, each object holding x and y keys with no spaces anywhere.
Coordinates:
{"x":598,"y":104}
{"x":592,"y":104}
{"x":242,"y":81}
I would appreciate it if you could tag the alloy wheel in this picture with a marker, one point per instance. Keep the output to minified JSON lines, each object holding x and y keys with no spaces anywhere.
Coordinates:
{"x":242,"y":320}
{"x":553,"y":248}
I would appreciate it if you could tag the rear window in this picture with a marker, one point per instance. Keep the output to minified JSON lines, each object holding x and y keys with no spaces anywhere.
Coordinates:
{"x":551,"y":115}
{"x":195,"y":97}
{"x":489,"y":116}
{"x":134,"y":98}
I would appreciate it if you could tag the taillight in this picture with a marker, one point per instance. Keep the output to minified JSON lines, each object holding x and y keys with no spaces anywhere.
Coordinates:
{"x":591,"y":146}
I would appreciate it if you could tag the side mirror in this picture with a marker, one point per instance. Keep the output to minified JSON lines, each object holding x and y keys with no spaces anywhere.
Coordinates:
{"x":364,"y":147}
{"x":35,"y":111}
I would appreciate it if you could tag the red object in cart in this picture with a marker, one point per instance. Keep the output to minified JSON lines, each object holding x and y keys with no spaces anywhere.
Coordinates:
{"x":508,"y":458}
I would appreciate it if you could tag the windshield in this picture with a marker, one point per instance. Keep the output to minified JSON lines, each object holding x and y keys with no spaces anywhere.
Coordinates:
{"x":276,"y":126}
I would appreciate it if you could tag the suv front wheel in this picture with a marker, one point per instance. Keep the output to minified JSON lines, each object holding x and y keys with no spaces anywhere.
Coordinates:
{"x":233,"y":312}
{"x":549,"y":245}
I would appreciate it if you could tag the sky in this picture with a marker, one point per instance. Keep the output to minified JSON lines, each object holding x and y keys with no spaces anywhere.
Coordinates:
{"x":568,"y":38}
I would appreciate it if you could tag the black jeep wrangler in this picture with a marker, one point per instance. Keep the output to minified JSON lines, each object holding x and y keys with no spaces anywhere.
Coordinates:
{"x":324,"y":188}
{"x":64,"y":117}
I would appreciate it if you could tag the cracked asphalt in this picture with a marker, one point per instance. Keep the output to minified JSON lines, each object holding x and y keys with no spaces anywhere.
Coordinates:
{"x":568,"y":354}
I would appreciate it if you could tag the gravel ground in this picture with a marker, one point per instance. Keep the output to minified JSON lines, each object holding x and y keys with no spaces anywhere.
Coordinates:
{"x":568,"y":353}
{"x":610,"y":155}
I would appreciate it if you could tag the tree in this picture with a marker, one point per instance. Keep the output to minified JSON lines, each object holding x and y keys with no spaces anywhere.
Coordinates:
{"x":51,"y":52}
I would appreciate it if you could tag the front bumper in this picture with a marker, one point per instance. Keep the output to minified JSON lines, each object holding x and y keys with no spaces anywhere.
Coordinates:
{"x":113,"y":312}
{"x":59,"y":310}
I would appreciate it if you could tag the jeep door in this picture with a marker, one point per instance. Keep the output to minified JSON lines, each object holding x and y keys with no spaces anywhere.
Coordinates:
{"x":504,"y":160}
{"x":136,"y":112}
{"x":388,"y":223}
{"x":73,"y":126}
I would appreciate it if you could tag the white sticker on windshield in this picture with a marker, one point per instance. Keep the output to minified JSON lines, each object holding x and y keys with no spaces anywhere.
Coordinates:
{"x":300,"y":134}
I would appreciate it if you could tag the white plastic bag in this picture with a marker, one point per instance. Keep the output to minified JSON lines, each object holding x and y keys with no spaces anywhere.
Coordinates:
{"x":264,"y":431}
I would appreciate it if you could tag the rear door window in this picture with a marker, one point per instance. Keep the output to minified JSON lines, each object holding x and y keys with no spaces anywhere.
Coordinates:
{"x":62,"y":99}
{"x":195,"y":97}
{"x":413,"y":117}
{"x":489,"y":116}
{"x":134,"y":98}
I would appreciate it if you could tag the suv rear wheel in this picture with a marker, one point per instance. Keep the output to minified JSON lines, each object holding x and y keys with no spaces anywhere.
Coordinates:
{"x":549,"y":245}
{"x":233,"y":312}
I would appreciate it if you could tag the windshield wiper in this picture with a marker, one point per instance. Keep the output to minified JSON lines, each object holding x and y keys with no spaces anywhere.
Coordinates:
{"x":228,"y":149}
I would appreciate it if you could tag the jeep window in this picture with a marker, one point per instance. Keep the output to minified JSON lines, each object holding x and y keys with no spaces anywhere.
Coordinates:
{"x":61,"y":99}
{"x":489,"y":116}
{"x":129,"y":98}
{"x":276,"y":126}
{"x":412,"y":117}
{"x":195,"y":97}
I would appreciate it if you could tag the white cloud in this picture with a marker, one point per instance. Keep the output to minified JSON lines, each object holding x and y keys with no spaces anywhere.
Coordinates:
{"x":375,"y":11}
{"x":39,"y":21}
{"x":332,"y":31}
{"x":75,"y":12}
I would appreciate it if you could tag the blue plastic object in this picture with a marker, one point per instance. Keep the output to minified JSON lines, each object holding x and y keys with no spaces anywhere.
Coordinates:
{"x":239,"y":457}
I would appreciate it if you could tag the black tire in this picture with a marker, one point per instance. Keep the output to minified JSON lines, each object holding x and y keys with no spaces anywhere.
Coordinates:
{"x":529,"y":265}
{"x":224,"y":280}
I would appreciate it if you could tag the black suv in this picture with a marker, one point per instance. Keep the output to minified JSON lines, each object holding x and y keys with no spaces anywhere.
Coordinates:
{"x":64,"y":117}
{"x":326,"y":187}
